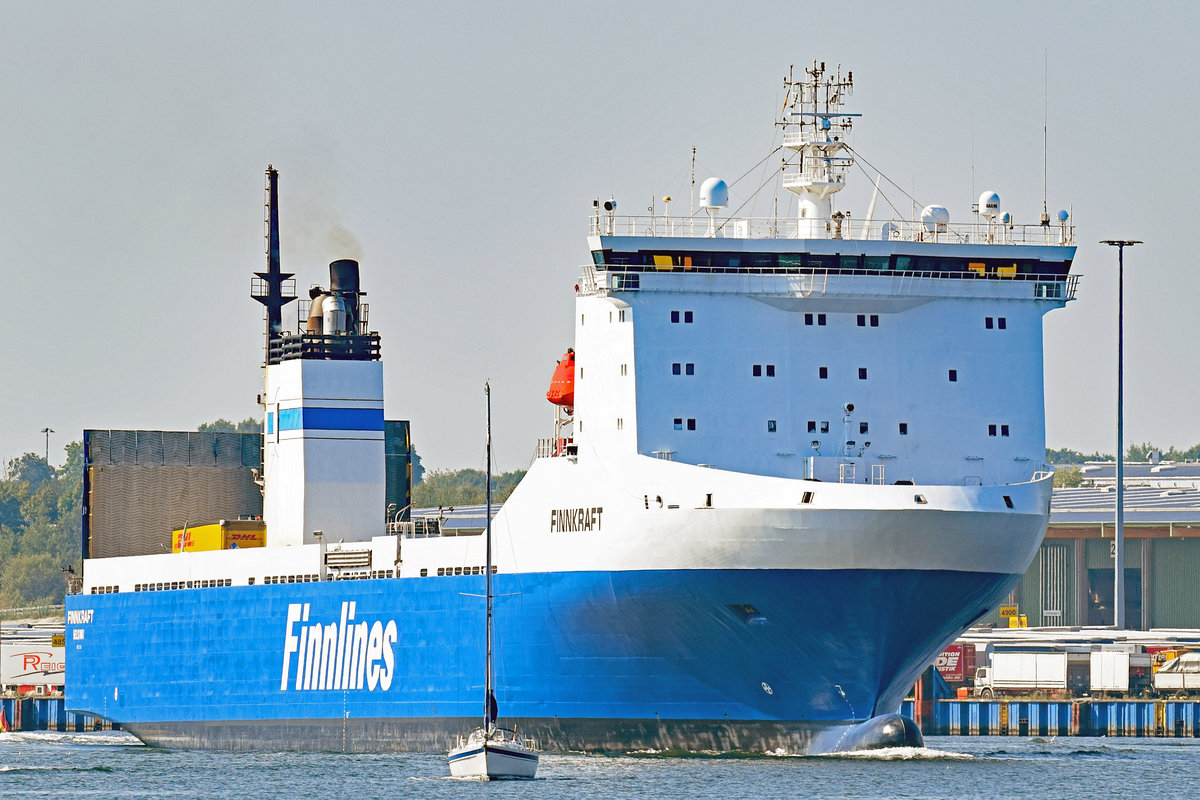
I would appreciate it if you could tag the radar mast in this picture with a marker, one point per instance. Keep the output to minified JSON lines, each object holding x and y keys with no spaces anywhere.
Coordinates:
{"x":815,"y":126}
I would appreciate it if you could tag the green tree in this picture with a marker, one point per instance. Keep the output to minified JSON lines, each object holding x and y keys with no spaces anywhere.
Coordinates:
{"x":1067,"y":476}
{"x":31,"y":580}
{"x":29,"y":468}
{"x":1066,"y":455}
{"x":443,"y":487}
{"x":1140,"y":451}
{"x":222,"y":425}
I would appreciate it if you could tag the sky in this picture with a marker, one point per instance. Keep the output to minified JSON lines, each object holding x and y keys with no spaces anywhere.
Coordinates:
{"x":456,"y":148}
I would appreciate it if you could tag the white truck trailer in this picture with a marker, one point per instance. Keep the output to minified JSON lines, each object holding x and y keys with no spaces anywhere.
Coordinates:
{"x":1033,"y":673}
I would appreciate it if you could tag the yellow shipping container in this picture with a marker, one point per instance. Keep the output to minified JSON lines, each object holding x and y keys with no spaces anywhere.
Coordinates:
{"x":222,"y":535}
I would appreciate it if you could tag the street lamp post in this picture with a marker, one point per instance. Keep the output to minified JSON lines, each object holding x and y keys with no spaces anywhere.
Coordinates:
{"x":1119,"y":535}
{"x":47,"y":430}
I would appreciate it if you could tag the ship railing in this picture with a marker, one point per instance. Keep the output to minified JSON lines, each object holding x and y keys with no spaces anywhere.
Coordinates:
{"x":417,"y":528}
{"x":841,"y":227}
{"x":554,"y":448}
{"x":607,"y":279}
{"x":803,"y":136}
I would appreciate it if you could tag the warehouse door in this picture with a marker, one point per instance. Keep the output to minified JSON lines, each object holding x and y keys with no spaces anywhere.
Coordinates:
{"x":1054,"y":583}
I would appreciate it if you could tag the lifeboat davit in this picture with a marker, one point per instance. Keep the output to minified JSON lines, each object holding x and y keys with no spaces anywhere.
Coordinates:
{"x":562,"y":384}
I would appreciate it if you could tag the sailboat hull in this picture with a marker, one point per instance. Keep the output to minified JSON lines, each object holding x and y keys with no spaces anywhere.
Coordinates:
{"x":491,"y":761}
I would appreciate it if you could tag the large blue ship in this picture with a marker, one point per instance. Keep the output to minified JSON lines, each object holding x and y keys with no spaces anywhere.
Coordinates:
{"x":792,"y":459}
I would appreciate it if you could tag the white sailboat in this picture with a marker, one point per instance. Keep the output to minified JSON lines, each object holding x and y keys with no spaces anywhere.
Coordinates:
{"x":491,"y":752}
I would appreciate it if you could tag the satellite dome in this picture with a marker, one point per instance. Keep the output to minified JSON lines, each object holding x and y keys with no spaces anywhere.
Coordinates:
{"x":714,"y":193}
{"x":989,"y":205}
{"x":935,"y":218}
{"x":1063,"y":215}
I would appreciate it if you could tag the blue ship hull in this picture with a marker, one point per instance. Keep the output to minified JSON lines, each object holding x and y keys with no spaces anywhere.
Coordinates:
{"x":700,"y":659}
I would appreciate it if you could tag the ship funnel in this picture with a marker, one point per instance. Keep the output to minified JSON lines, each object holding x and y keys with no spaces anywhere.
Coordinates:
{"x":343,"y":276}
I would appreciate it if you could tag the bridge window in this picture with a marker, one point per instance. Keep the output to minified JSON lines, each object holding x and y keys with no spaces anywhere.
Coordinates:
{"x":904,"y":429}
{"x":822,"y":372}
{"x":862,"y":373}
{"x":771,"y":426}
{"x":953,"y":375}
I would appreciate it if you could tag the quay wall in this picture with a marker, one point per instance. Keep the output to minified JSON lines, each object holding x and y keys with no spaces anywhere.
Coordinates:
{"x":974,"y":717}
{"x":1081,"y":717}
{"x":48,"y":714}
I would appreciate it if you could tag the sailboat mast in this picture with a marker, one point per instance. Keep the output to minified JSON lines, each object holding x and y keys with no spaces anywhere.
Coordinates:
{"x":487,"y":692}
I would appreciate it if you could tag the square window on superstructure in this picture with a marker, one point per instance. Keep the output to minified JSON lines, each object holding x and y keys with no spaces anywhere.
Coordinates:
{"x":991,"y":430}
{"x":862,"y":373}
{"x":824,"y":426}
{"x":808,"y":319}
{"x":689,"y":369}
{"x":1001,"y":323}
{"x":862,"y":427}
{"x":679,"y":423}
{"x":771,"y":427}
{"x":756,"y":370}
{"x":676,"y":368}
{"x":674,"y":316}
{"x":691,"y":424}
{"x":621,"y":315}
{"x":770,"y":370}
{"x":820,"y":319}
{"x":1004,"y":430}
{"x":687,"y":316}
{"x":862,"y":320}
{"x":874,"y":320}
{"x":822,"y":372}
{"x":904,"y":429}
{"x":987,"y":323}
{"x":953,"y":375}
{"x":812,"y":426}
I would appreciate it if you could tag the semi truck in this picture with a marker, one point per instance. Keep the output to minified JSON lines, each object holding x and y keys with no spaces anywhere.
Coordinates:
{"x":1033,"y":673}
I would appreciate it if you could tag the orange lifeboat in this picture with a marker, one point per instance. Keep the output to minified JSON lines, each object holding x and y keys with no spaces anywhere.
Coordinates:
{"x":562,"y":384}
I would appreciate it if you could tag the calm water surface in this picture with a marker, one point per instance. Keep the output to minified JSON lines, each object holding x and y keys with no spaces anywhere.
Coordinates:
{"x":55,"y":765}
